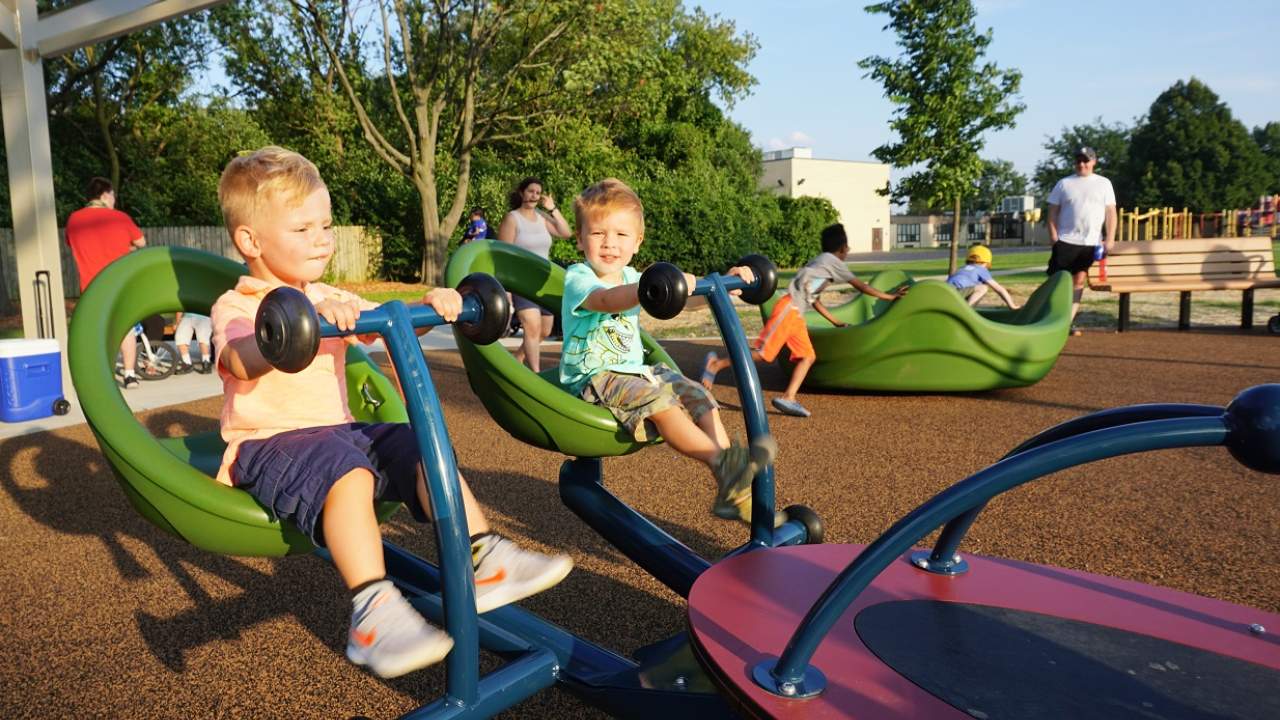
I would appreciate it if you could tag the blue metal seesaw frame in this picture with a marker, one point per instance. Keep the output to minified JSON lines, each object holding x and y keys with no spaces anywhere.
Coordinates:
{"x":538,"y":653}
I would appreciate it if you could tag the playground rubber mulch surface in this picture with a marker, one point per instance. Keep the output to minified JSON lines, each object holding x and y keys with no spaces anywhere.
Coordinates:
{"x":105,"y":616}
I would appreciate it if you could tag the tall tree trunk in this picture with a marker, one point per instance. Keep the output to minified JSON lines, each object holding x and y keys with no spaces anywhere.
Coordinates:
{"x":433,"y":246}
{"x":104,"y":128}
{"x":955,"y":238}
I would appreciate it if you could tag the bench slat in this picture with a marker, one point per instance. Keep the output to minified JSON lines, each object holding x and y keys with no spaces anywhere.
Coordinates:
{"x":1191,"y":285}
{"x":1158,"y":247}
{"x":1250,"y":256}
{"x":1240,"y":270}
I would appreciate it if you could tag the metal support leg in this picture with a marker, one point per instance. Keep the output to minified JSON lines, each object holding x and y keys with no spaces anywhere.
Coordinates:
{"x":1184,"y":310}
{"x":1246,"y":310}
{"x":1122,"y":323}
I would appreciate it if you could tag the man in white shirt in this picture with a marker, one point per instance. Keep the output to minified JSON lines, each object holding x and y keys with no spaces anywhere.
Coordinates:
{"x":1082,"y":209}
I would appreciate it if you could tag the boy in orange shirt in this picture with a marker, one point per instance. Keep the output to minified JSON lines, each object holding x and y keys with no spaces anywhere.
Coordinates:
{"x":292,"y":442}
{"x":786,"y":322}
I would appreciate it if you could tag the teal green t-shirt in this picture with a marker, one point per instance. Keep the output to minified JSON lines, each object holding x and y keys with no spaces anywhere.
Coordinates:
{"x":593,"y":341}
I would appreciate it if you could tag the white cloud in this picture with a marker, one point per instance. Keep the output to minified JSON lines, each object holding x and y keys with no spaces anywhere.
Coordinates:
{"x":799,"y":137}
{"x":795,"y":138}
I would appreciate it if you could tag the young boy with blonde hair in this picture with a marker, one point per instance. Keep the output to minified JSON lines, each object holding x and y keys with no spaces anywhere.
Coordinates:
{"x":603,"y":359}
{"x":292,"y":442}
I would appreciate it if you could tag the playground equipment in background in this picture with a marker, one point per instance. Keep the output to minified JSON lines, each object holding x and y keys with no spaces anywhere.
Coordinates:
{"x":1167,"y":223}
{"x":1154,"y":224}
{"x":881,"y":631}
{"x":931,"y":340}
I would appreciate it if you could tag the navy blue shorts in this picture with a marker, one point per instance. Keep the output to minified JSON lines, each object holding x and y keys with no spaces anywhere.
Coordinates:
{"x":291,"y":473}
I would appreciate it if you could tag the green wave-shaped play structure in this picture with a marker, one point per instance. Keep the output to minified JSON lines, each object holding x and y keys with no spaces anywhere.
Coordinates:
{"x":932,"y":341}
{"x":170,"y":480}
{"x":534,"y":407}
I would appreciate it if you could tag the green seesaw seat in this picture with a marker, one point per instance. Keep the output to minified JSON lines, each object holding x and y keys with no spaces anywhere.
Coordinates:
{"x":932,"y":341}
{"x":170,"y":480}
{"x":534,"y":407}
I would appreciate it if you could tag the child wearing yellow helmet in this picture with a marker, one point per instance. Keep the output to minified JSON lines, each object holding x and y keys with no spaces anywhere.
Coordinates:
{"x":975,"y":278}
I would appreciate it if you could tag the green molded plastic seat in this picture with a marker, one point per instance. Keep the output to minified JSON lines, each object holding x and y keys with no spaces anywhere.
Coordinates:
{"x":932,"y":341}
{"x":534,"y":407}
{"x":170,"y":481}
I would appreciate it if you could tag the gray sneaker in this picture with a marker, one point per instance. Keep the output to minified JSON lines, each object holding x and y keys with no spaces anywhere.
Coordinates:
{"x":505,"y":572}
{"x":389,"y":636}
{"x":735,"y":468}
{"x":790,"y":407}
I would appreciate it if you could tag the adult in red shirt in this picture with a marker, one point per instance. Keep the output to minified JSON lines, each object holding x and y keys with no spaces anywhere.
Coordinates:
{"x":99,"y":234}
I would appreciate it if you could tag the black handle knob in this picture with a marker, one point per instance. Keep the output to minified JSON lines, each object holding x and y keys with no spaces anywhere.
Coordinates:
{"x":663,"y":290}
{"x":495,"y":308}
{"x":766,"y":279}
{"x":287,"y":329}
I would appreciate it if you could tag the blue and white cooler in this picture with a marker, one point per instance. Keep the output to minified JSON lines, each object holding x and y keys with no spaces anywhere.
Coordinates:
{"x":30,"y":380}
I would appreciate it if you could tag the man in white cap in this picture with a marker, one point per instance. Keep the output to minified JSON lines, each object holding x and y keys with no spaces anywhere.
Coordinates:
{"x":1082,"y":209}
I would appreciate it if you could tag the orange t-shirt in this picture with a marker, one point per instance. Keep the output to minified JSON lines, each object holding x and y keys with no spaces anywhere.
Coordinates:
{"x":97,"y":236}
{"x":277,"y":401}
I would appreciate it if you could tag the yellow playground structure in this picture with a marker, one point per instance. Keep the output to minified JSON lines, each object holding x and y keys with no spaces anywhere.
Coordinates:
{"x":1164,"y":223}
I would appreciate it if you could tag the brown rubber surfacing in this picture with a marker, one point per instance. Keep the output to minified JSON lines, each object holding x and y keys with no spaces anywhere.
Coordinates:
{"x":107,"y":616}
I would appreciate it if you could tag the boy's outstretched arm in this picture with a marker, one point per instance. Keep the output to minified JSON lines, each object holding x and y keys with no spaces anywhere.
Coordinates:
{"x":1004,"y":295}
{"x":613,"y":300}
{"x":822,"y":310}
{"x":242,"y":358}
{"x":865,"y":288}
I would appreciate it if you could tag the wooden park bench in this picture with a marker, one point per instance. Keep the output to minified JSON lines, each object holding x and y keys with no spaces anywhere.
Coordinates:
{"x":1185,"y":266}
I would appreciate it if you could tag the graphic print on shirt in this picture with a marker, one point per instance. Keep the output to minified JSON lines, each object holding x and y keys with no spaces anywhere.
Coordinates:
{"x":605,"y":345}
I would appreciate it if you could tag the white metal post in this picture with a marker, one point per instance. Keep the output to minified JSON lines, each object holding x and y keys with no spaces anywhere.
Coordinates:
{"x":26,"y":138}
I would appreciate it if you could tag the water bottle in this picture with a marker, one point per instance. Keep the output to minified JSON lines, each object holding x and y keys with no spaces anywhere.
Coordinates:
{"x":1100,"y":256}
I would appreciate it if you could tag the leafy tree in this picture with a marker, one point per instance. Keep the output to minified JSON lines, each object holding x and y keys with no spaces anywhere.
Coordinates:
{"x":99,"y":96}
{"x":1191,"y":152}
{"x":459,"y":75}
{"x":796,"y":237}
{"x":998,"y":181}
{"x":1268,"y":139}
{"x":1110,"y":141}
{"x":448,"y":97}
{"x":176,"y":160}
{"x":947,"y":99}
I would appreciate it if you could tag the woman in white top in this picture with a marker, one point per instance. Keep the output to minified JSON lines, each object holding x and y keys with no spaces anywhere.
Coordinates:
{"x":528,"y":228}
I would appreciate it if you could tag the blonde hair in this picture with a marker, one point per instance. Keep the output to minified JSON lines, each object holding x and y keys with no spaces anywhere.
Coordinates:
{"x":605,"y":197}
{"x":254,"y":180}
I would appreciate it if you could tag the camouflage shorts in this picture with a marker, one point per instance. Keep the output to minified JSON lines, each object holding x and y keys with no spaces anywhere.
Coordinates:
{"x":634,"y":398}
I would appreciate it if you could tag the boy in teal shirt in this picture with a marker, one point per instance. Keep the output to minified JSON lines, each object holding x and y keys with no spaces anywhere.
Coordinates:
{"x":602,"y":359}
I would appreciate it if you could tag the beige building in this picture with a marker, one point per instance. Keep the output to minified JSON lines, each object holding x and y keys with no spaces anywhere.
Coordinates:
{"x":850,"y":186}
{"x":995,"y":229}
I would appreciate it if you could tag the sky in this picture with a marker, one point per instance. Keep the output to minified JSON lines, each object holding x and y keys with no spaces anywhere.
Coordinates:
{"x":1080,"y":60}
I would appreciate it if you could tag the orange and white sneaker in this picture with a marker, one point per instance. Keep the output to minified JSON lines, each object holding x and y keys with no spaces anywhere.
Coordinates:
{"x":389,"y":636}
{"x":506,"y":573}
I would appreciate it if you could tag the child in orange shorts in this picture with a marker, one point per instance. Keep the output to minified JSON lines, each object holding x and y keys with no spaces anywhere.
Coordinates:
{"x":786,"y":323}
